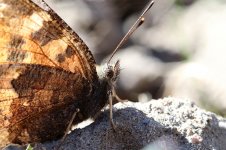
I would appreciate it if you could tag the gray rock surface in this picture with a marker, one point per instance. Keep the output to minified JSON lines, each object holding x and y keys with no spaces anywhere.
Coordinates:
{"x":167,"y":123}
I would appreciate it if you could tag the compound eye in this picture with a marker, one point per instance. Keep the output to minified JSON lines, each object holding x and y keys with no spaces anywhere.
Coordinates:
{"x":110,"y":74}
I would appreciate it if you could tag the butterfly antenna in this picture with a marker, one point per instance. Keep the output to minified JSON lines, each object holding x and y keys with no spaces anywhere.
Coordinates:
{"x":134,"y":27}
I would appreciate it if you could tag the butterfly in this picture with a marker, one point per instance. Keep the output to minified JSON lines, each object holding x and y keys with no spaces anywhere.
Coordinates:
{"x":46,"y":73}
{"x":48,"y":77}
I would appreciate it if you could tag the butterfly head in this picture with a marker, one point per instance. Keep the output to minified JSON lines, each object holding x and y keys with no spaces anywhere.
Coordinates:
{"x":111,"y":72}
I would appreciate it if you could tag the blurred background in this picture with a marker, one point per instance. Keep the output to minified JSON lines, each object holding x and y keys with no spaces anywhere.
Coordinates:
{"x":179,"y":51}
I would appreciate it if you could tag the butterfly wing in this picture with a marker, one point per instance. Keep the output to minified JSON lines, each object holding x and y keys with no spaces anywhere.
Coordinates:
{"x":36,"y":35}
{"x":46,"y":72}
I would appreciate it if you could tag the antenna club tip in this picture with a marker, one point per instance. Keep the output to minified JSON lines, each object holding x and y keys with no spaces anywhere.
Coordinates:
{"x":142,"y":19}
{"x":141,"y":22}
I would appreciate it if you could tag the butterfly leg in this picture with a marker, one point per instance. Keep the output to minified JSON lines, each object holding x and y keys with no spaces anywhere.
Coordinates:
{"x":68,"y":128}
{"x":111,"y":113}
{"x":114,"y":94}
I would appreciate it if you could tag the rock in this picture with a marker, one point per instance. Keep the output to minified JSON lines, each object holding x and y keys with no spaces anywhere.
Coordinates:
{"x":167,"y":123}
{"x":200,"y":83}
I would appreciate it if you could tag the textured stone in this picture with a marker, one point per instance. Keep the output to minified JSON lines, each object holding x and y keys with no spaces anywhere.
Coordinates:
{"x":165,"y":123}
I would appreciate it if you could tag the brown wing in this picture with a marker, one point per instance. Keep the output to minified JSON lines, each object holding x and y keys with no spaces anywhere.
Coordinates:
{"x":31,"y":34}
{"x":37,"y":102}
{"x":45,"y":72}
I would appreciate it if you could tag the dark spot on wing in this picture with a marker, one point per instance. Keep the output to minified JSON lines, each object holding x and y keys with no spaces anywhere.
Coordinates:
{"x":69,"y":52}
{"x":46,"y":34}
{"x":42,"y":37}
{"x":16,"y":42}
{"x":16,"y":56}
{"x":15,"y":49}
{"x":60,"y":58}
